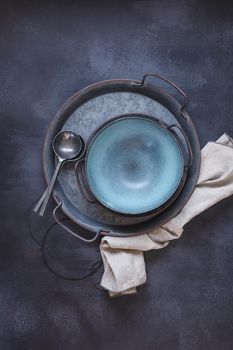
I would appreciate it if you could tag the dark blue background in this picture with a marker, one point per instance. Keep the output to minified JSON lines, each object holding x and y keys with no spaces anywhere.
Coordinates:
{"x":49,"y":50}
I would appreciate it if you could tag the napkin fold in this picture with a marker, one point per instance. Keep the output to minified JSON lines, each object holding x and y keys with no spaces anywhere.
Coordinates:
{"x":123,"y":259}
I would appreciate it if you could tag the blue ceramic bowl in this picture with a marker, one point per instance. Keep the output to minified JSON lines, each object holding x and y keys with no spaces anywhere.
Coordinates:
{"x":134,"y":165}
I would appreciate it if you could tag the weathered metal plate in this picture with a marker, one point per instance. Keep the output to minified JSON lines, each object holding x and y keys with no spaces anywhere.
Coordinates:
{"x":85,"y":120}
{"x":88,"y":110}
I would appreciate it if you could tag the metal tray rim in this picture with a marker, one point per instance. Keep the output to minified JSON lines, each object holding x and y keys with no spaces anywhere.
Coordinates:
{"x":63,"y":113}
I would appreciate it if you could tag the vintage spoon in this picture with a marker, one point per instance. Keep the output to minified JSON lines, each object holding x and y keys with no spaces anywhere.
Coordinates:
{"x":66,"y":145}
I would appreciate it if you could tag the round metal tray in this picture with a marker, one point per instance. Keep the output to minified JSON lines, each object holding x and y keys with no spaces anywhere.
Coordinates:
{"x":86,"y":111}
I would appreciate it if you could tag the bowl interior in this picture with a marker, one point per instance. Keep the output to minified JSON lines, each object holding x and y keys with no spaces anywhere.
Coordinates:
{"x":134,"y":165}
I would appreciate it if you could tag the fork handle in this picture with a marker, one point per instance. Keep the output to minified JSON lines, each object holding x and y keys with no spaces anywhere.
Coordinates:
{"x":42,"y":204}
{"x":39,"y":203}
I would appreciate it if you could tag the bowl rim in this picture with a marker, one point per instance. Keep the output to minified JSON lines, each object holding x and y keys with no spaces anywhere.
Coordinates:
{"x":139,"y":116}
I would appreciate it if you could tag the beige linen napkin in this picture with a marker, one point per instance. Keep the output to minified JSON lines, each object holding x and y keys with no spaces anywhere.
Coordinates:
{"x":124,"y":265}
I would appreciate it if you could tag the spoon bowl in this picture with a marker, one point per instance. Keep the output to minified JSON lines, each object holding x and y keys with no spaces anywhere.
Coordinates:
{"x":67,"y":145}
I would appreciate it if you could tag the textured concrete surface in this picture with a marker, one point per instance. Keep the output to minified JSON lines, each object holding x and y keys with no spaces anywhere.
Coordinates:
{"x":49,"y":51}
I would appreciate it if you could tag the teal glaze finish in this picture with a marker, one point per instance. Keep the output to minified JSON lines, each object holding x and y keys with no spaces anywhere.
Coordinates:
{"x":134,"y":165}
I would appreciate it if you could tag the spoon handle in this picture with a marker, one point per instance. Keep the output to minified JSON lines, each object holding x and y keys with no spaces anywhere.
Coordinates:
{"x":49,"y":190}
{"x":39,"y":203}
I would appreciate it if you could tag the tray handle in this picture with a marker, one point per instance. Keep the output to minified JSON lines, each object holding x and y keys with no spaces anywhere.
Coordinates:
{"x":82,"y":183}
{"x":142,"y":83}
{"x":68,"y":229}
{"x":190,"y":153}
